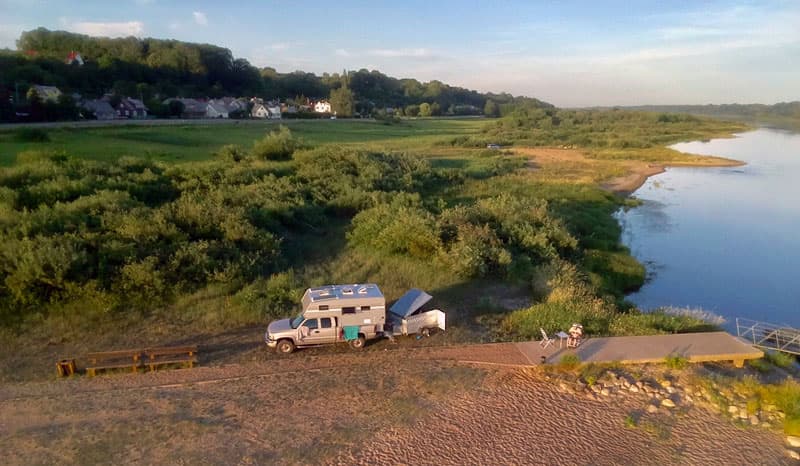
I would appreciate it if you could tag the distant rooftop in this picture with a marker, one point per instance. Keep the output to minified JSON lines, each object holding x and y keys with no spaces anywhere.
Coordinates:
{"x":329,"y":292}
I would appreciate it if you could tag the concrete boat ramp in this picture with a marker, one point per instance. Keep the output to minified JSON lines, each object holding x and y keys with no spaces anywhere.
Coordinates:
{"x":695,"y":347}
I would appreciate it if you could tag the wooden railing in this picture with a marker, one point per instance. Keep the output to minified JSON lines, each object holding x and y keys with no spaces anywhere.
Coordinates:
{"x":137,"y":358}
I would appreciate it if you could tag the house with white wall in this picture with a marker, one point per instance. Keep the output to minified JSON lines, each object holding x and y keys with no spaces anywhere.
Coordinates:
{"x":323,"y":106}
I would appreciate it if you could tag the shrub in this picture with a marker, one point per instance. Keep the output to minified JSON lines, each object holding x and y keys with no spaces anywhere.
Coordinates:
{"x":760,"y":365}
{"x":476,"y":252}
{"x":396,"y":229}
{"x":657,"y":322}
{"x":786,"y":397}
{"x":143,"y":282}
{"x":277,"y":145}
{"x":569,"y":299}
{"x":569,"y":362}
{"x":676,"y":362}
{"x":37,"y":156}
{"x":350,"y":180}
{"x":616,"y":272}
{"x":276,"y":297}
{"x":780,"y":359}
{"x":231,"y":153}
{"x":38,"y":269}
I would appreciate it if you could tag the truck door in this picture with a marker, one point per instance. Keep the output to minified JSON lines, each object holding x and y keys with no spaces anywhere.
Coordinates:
{"x":327,"y":330}
{"x":308,"y":332}
{"x":320,"y":331}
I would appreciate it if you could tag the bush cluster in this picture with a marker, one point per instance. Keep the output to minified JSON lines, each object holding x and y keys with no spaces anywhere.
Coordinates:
{"x":618,"y":129}
{"x":137,"y":233}
{"x":569,"y":296}
{"x":498,"y":236}
{"x":277,"y":145}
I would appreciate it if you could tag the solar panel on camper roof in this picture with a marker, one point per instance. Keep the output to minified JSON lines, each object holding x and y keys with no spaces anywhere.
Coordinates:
{"x":340,"y":291}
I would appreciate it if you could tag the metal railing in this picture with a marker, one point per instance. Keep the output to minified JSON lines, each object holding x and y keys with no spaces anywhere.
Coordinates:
{"x":769,"y":336}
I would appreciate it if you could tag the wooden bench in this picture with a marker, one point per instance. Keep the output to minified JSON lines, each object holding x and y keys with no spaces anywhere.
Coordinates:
{"x":113,"y":360}
{"x":171,"y":355}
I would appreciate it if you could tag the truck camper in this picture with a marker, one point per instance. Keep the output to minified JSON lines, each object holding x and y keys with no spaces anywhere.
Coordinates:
{"x":354,"y":314}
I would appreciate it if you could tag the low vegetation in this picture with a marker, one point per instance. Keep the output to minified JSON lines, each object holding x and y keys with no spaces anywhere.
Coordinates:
{"x":609,"y":134}
{"x":759,"y":394}
{"x":779,"y":359}
{"x":31,"y":135}
{"x":90,"y":235}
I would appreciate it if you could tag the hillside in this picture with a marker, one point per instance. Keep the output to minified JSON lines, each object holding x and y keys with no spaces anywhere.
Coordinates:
{"x":154,"y":69}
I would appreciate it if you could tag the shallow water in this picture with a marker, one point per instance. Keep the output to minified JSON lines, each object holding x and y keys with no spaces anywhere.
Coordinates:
{"x":723,"y":239}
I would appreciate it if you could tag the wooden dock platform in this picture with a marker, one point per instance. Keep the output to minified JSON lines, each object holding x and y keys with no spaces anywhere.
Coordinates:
{"x":695,"y":347}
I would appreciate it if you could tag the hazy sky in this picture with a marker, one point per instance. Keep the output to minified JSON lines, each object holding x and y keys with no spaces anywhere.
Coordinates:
{"x":570,"y":53}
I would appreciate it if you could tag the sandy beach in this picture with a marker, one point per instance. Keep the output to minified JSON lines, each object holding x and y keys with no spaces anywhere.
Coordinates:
{"x":396,"y":407}
{"x":635,"y":172}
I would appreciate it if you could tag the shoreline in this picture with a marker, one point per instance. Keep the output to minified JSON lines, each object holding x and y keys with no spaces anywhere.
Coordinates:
{"x":626,"y":185}
{"x":636,"y":171}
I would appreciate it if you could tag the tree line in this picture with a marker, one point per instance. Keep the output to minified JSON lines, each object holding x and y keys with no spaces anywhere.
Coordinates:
{"x":154,"y":69}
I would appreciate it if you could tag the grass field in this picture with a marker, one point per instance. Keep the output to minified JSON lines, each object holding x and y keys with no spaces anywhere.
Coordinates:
{"x":194,"y":142}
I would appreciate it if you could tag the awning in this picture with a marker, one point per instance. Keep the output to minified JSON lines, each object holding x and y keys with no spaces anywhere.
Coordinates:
{"x":410,"y":302}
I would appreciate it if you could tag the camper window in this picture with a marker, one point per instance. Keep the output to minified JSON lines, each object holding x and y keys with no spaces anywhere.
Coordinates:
{"x":348,"y":310}
{"x":323,"y":307}
{"x":365,"y":308}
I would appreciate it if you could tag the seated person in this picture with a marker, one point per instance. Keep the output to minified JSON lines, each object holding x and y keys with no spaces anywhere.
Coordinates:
{"x":575,"y":335}
{"x":307,"y":326}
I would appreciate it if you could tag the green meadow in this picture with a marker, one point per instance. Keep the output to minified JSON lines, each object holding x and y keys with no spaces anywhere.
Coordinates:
{"x":195,"y":142}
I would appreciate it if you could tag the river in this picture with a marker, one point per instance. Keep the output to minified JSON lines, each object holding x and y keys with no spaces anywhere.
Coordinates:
{"x":726,"y":240}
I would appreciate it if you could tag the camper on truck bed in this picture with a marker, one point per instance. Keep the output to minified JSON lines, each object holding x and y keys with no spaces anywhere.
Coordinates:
{"x":351,"y":313}
{"x":331,"y":314}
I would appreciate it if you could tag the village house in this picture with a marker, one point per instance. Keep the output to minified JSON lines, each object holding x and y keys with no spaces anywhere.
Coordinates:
{"x":101,"y":109}
{"x":192,"y":108}
{"x":131,"y":108}
{"x":268,"y":110}
{"x":233,"y":104}
{"x":74,"y":58}
{"x":274,"y":111}
{"x":322,"y":106}
{"x":259,"y":111}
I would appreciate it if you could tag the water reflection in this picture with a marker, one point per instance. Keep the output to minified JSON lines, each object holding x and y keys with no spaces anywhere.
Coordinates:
{"x":724,"y":239}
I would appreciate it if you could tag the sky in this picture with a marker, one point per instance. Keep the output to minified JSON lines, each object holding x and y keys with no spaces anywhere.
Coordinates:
{"x":569,"y":53}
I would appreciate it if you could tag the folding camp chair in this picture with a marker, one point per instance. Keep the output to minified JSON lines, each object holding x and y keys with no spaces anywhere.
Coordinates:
{"x":546,"y":341}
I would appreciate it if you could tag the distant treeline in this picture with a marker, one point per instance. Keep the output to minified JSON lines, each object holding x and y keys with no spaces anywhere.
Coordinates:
{"x":786,"y":112}
{"x":153,"y":69}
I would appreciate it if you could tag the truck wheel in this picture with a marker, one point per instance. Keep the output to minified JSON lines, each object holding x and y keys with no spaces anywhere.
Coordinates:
{"x":358,"y":343}
{"x":285,"y":346}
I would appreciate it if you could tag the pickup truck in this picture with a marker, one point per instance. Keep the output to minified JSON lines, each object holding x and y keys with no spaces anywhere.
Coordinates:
{"x":353,"y":314}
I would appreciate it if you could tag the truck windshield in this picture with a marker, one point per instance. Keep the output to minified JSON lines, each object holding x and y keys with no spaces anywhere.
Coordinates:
{"x":297,"y":321}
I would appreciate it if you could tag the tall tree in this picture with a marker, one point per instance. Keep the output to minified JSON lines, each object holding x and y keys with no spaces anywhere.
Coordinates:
{"x":491,"y":109}
{"x":424,"y":109}
{"x":342,"y":101}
